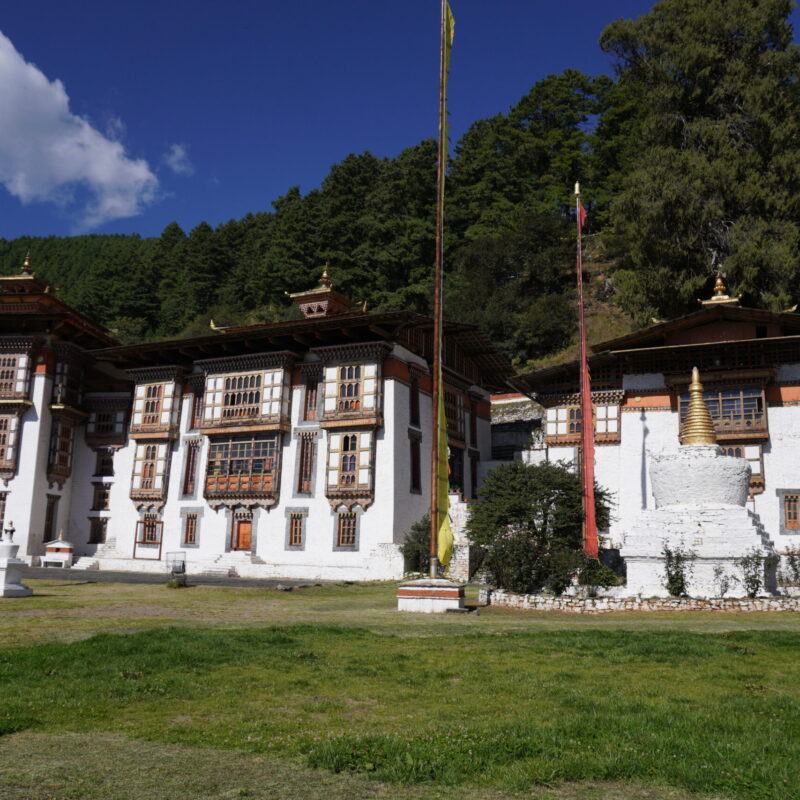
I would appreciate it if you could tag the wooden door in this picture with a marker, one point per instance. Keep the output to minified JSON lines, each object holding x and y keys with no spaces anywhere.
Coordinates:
{"x":244,"y":528}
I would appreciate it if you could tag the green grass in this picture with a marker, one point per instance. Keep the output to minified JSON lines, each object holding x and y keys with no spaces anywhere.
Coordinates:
{"x":332,"y":682}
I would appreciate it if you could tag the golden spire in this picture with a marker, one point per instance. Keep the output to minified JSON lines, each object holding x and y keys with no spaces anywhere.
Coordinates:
{"x":720,"y":295}
{"x":26,"y":264}
{"x":60,"y":534}
{"x":698,"y":427}
{"x":325,"y":280}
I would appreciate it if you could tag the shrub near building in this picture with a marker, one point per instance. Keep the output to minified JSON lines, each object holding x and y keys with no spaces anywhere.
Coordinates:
{"x":528,"y":521}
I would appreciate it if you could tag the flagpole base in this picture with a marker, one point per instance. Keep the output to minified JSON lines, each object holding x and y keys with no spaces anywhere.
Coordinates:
{"x":430,"y":596}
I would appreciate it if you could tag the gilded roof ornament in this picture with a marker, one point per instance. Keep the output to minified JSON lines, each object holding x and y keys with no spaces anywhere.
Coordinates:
{"x":325,"y":280}
{"x":698,"y":427}
{"x":720,"y":296}
{"x":26,"y":264}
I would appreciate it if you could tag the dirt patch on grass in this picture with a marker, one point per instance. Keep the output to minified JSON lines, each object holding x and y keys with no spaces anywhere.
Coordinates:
{"x":113,"y":767}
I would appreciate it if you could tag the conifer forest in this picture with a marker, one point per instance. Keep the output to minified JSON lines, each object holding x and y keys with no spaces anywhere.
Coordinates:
{"x":689,"y":160}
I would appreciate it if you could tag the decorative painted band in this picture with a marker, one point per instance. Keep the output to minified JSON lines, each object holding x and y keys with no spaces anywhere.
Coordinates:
{"x":419,"y":593}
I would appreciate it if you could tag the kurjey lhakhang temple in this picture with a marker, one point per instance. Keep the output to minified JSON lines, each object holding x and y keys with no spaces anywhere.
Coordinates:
{"x":293,"y":449}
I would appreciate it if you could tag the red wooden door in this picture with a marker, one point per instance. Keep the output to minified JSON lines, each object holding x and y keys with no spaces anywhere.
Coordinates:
{"x":243,"y":530}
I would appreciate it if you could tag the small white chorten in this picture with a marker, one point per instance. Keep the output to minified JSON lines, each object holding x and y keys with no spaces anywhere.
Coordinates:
{"x":10,"y":567}
{"x":700,"y":495}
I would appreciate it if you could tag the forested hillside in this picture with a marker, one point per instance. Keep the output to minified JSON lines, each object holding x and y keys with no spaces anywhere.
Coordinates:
{"x":689,"y":159}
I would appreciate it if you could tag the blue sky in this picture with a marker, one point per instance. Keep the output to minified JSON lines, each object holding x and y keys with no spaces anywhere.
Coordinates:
{"x":200,"y":110}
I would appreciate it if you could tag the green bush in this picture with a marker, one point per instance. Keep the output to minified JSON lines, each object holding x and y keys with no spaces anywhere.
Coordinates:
{"x":678,"y":569}
{"x":528,"y":520}
{"x":416,"y":546}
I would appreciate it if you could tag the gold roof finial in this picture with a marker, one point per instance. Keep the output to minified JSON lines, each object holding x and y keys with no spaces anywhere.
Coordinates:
{"x":720,"y":295}
{"x":60,"y":534}
{"x":26,"y":264}
{"x":698,"y":427}
{"x":325,"y":280}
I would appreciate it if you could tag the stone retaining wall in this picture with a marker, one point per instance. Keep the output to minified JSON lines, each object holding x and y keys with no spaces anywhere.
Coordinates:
{"x":605,"y":605}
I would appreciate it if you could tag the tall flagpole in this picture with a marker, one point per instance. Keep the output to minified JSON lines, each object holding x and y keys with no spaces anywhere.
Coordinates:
{"x":437,"y":299}
{"x":590,"y":543}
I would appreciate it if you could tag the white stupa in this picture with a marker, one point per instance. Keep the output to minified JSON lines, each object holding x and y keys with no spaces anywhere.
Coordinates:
{"x":700,"y":495}
{"x":10,"y":567}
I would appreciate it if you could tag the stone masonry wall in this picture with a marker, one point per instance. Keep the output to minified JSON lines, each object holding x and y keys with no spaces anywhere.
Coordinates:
{"x":605,"y":605}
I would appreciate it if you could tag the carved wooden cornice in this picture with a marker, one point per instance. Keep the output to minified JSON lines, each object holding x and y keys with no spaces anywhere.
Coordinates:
{"x":358,"y":420}
{"x":270,"y":424}
{"x":106,"y":403}
{"x":241,"y":501}
{"x":349,"y":498}
{"x":311,"y":369}
{"x":679,"y":382}
{"x":283,"y":359}
{"x":14,"y":405}
{"x":602,"y":397}
{"x":69,"y":413}
{"x":195,"y":382}
{"x":157,"y":374}
{"x":16,"y":344}
{"x":357,"y":351}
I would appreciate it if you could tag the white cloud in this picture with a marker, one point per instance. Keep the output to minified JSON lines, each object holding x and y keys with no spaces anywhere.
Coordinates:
{"x":177,"y":159}
{"x":47,"y":152}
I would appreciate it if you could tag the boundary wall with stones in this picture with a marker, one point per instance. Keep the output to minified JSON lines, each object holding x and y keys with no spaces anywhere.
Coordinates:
{"x":605,"y":605}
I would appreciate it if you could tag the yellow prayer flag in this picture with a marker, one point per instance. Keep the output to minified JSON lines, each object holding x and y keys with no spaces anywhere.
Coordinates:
{"x":449,"y":34}
{"x":444,"y":535}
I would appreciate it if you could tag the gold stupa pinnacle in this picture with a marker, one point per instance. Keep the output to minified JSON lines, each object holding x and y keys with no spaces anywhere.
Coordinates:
{"x":325,"y":280}
{"x":698,"y":427}
{"x":26,"y":264}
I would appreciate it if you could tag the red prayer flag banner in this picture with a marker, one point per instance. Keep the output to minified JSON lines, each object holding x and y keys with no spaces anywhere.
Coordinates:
{"x":581,"y":214}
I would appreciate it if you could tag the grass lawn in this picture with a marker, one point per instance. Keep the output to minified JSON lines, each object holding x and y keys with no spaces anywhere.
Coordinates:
{"x":138,"y":691}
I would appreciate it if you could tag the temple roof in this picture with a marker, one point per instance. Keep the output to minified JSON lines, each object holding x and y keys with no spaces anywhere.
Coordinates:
{"x":738,"y":337}
{"x":298,"y":335}
{"x":28,"y":305}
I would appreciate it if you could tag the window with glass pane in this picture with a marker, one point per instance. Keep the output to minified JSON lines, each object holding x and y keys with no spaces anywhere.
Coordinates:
{"x":190,"y":470}
{"x":61,"y":446}
{"x":7,"y":436}
{"x":348,"y":459}
{"x":247,"y":464}
{"x":350,"y":388}
{"x":242,"y":396}
{"x":732,"y":410}
{"x":152,"y":404}
{"x":8,"y":374}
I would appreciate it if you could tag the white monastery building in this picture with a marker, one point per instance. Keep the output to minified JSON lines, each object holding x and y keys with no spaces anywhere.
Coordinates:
{"x":749,"y":361}
{"x":293,"y":449}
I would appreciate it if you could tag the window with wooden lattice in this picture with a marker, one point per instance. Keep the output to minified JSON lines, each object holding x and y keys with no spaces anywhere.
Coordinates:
{"x":243,"y":464}
{"x":190,"y":524}
{"x":346,"y":529}
{"x":97,"y":530}
{"x":349,"y":388}
{"x":100,"y":496}
{"x":60,"y":456}
{"x":734,"y":412}
{"x":296,"y":533}
{"x":751,"y":452}
{"x":8,"y":436}
{"x":305,"y":474}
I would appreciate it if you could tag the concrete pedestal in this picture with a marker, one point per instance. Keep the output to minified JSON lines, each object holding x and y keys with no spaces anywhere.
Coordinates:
{"x":10,"y":572}
{"x":430,"y":596}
